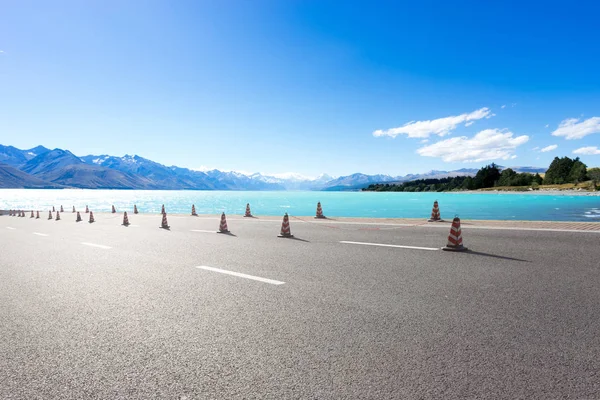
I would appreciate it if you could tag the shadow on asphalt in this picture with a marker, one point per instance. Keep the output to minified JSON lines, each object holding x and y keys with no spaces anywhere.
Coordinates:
{"x":478,"y":253}
{"x":227,"y":234}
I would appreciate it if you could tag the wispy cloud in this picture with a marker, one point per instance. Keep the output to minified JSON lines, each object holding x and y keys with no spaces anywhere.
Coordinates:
{"x":440,"y":126}
{"x":536,"y":148}
{"x":590,"y":151}
{"x":547,"y":125}
{"x":503,"y":106}
{"x":513,"y":104}
{"x":425,"y":141}
{"x":571,"y":128}
{"x":549,"y":148}
{"x":489,"y":144}
{"x":469,"y":123}
{"x":2,"y":52}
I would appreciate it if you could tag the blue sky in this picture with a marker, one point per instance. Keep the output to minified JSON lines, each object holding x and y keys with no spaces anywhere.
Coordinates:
{"x":304,"y":86}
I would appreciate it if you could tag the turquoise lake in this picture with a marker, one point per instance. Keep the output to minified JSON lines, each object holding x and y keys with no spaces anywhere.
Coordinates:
{"x":500,"y":206}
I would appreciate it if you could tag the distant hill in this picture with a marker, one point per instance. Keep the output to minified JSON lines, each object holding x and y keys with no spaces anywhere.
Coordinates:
{"x":12,"y":178}
{"x":15,"y":157}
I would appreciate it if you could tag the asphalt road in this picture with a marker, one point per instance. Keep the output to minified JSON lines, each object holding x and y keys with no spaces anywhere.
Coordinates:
{"x":103,"y":311}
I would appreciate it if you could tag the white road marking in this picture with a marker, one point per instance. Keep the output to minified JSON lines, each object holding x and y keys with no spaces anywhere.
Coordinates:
{"x":11,"y":228}
{"x":240,"y":275}
{"x":201,"y":230}
{"x":392,"y":245}
{"x":40,"y":234}
{"x":100,"y":246}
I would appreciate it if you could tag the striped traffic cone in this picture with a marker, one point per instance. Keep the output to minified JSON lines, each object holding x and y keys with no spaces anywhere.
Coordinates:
{"x":50,"y":215}
{"x":285,"y":228}
{"x":87,"y":210}
{"x":92,"y":220}
{"x":10,"y":213}
{"x":162,"y":211}
{"x":319,"y":211}
{"x":61,"y":209}
{"x":78,"y":217}
{"x":455,"y":242}
{"x":37,"y":215}
{"x":113,"y":209}
{"x":58,"y":216}
{"x":135,"y":211}
{"x":73,"y":209}
{"x":164,"y":224}
{"x":32,"y":216}
{"x":223,"y":225}
{"x":125,"y":219}
{"x":53,"y":210}
{"x":435,"y":213}
{"x":194,"y":211}
{"x":248,"y":213}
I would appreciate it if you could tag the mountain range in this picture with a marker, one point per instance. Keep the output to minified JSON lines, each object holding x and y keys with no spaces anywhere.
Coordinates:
{"x":40,"y":167}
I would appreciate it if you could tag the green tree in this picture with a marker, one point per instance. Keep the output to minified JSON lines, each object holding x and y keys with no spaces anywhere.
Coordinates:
{"x":594,"y":175}
{"x":487,"y":176}
{"x":559,"y":171}
{"x":578,"y":171}
{"x":506,"y":176}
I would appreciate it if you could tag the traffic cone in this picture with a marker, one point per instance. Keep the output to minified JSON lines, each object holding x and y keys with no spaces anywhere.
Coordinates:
{"x":10,"y":213}
{"x":125,"y":219}
{"x":61,"y":209}
{"x":53,"y":210}
{"x":37,"y":215}
{"x":135,"y":211}
{"x":113,"y":209}
{"x":223,"y":225}
{"x":73,"y":209}
{"x":319,"y":211}
{"x":32,"y":216}
{"x":435,"y":213}
{"x":164,"y":224}
{"x":87,"y":210}
{"x":285,"y":228}
{"x":455,"y":242}
{"x":78,"y":217}
{"x":163,"y":209}
{"x":49,"y":215}
{"x":58,"y":216}
{"x":194,"y":211}
{"x":248,"y":213}
{"x":92,"y":217}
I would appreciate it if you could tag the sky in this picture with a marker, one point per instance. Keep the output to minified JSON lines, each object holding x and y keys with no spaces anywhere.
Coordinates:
{"x":304,"y":86}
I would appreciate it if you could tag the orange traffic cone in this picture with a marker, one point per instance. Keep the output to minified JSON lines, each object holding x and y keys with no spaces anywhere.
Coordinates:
{"x":194,"y":211}
{"x":73,"y":209}
{"x":125,"y":219}
{"x":78,"y":217}
{"x":164,"y":224}
{"x":135,"y":211}
{"x":37,"y":215}
{"x":58,"y":216}
{"x":92,"y":217}
{"x":49,"y":215}
{"x":319,"y":211}
{"x":113,"y":210}
{"x":248,"y":213}
{"x":87,"y":210}
{"x":285,"y":228}
{"x":162,"y":211}
{"x":455,"y":242}
{"x":223,"y":225}
{"x":53,"y":210}
{"x":32,"y":216}
{"x":61,"y":209}
{"x":435,"y":213}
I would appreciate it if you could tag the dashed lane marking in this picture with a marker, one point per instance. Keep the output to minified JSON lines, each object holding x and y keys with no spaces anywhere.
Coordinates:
{"x":100,"y":246}
{"x":240,"y":275}
{"x":391,"y":245}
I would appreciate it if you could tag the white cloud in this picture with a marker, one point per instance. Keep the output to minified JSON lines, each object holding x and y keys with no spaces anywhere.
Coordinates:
{"x":536,"y":148}
{"x":590,"y":151}
{"x":549,"y":148}
{"x":571,"y":128}
{"x":425,"y":141}
{"x":440,"y":126}
{"x":547,"y":125}
{"x":503,"y":106}
{"x":469,"y":123}
{"x":513,"y":104}
{"x":489,"y":144}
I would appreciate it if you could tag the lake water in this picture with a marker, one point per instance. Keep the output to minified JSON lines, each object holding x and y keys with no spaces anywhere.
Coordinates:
{"x":500,"y":206}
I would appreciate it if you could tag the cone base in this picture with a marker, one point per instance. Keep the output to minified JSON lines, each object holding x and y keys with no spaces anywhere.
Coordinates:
{"x":223,"y":232}
{"x":194,"y":215}
{"x":455,"y":248}
{"x":435,"y":220}
{"x":124,"y":224}
{"x":320,"y":217}
{"x":165,"y":227}
{"x":285,"y":236}
{"x":249,"y":216}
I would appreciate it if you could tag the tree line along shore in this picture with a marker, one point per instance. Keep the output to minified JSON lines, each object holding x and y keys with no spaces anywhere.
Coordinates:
{"x":562,"y":174}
